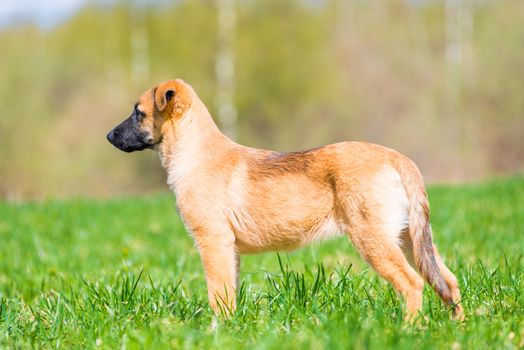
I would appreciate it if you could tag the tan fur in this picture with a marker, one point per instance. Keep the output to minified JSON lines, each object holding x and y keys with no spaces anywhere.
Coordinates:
{"x":237,"y":200}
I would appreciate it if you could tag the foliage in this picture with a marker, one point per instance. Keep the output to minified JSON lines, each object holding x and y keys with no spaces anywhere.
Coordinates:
{"x":307,"y":73}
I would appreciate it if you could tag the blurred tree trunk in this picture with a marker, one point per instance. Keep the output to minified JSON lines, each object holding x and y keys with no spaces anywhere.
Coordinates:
{"x":458,"y":54}
{"x":139,"y":42}
{"x":225,"y":66}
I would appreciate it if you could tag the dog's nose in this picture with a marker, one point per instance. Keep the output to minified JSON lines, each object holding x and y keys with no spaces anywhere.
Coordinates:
{"x":110,"y":136}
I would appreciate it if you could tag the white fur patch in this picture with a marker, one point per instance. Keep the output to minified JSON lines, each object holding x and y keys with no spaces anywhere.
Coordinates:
{"x":393,"y":203}
{"x":327,"y":229}
{"x":185,"y":157}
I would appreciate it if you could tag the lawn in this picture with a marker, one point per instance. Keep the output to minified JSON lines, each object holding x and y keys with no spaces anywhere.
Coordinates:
{"x":124,"y":273}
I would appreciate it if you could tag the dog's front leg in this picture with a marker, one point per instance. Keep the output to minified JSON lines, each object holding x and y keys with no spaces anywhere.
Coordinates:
{"x":220,"y":260}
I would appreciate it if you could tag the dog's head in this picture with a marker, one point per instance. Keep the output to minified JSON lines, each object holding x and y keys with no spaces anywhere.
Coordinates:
{"x":144,"y":128}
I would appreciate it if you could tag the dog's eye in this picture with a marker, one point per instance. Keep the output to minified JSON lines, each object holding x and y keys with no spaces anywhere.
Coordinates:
{"x":139,"y":114}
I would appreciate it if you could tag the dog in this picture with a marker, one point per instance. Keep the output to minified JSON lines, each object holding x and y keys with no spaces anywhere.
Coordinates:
{"x":237,"y":200}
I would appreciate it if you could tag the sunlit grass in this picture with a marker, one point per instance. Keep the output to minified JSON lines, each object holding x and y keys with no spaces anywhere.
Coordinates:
{"x":124,"y":273}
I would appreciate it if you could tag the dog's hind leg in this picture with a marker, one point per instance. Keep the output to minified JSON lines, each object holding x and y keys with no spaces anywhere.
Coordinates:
{"x":449,"y":277}
{"x":390,"y":263}
{"x":451,"y":281}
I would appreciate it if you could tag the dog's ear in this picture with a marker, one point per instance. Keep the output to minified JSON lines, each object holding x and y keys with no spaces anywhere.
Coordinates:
{"x":173,"y":95}
{"x":164,"y":94}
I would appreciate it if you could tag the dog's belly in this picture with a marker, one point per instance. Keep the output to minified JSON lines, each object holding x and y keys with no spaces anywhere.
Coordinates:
{"x":283,"y":215}
{"x":285,"y":238}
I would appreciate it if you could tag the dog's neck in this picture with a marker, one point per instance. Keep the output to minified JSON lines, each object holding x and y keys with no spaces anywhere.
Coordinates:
{"x":191,"y":143}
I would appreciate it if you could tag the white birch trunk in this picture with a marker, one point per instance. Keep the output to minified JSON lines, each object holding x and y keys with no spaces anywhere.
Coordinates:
{"x":139,"y":44}
{"x":225,"y":67}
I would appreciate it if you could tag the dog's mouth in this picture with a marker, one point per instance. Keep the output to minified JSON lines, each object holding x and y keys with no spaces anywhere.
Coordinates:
{"x":132,"y":148}
{"x":129,"y":144}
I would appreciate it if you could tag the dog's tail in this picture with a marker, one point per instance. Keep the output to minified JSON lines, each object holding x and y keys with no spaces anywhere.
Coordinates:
{"x":420,"y":230}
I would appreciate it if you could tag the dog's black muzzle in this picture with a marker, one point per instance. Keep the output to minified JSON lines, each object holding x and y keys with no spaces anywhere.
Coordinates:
{"x":128,"y":137}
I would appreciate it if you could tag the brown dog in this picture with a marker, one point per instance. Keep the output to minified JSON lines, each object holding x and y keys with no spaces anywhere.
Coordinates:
{"x":236,"y":200}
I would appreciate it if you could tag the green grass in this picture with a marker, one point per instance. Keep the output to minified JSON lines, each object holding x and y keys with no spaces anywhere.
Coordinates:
{"x":124,"y":273}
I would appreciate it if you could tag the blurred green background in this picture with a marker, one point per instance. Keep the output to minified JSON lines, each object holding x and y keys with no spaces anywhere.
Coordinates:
{"x":440,"y":81}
